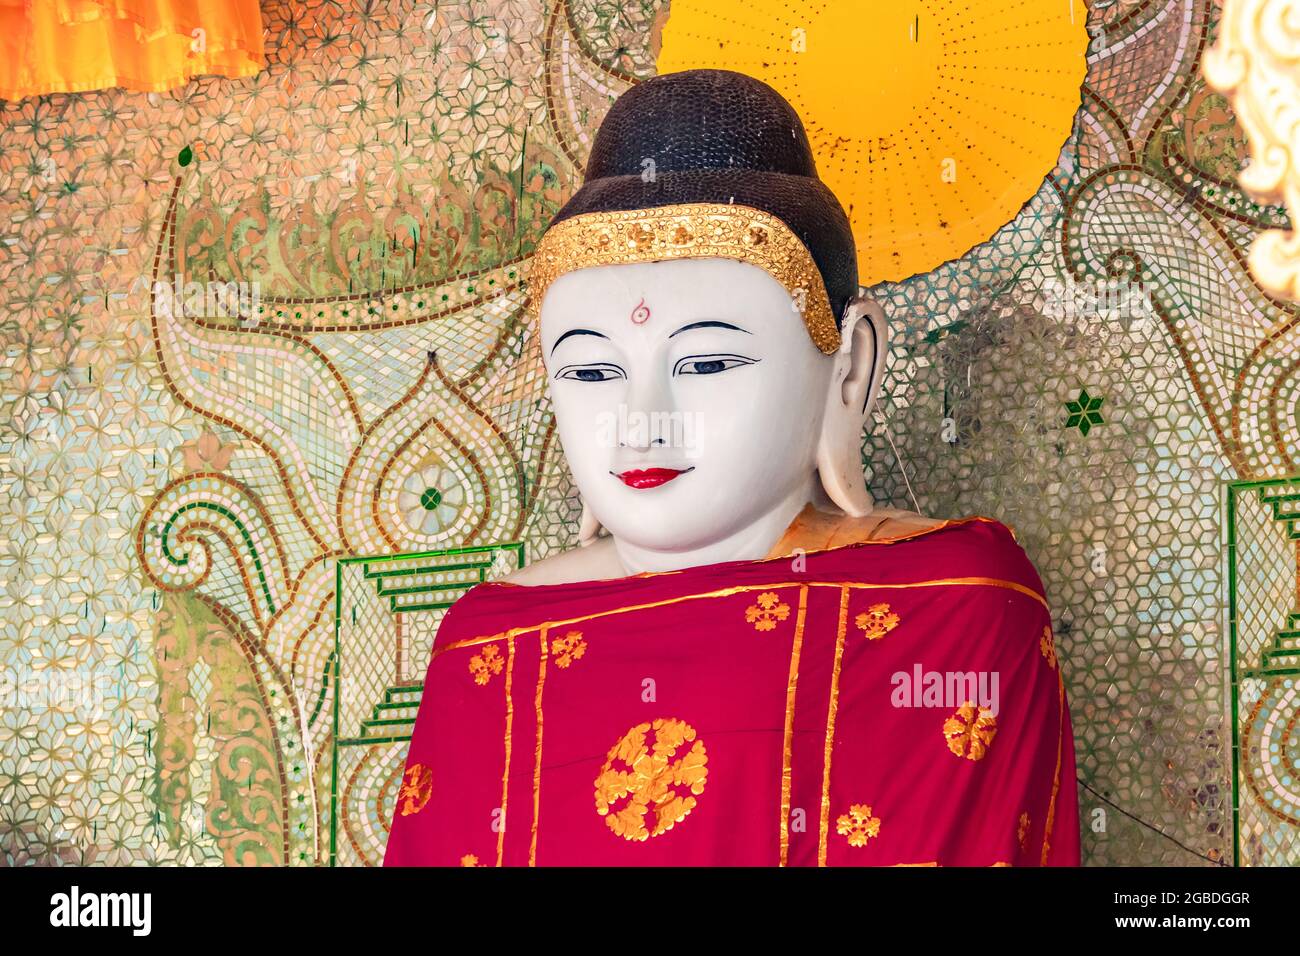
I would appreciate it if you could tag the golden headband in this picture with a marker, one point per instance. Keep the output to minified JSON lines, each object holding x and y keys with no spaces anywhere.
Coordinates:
{"x":688,"y":231}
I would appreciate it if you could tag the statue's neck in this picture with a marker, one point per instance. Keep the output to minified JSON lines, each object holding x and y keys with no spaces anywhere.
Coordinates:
{"x":749,"y":544}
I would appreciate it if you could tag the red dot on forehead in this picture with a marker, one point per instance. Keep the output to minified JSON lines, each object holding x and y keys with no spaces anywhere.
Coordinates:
{"x":640,"y":314}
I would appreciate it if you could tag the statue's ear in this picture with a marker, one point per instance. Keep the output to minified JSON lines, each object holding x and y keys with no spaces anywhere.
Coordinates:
{"x":859,"y":367}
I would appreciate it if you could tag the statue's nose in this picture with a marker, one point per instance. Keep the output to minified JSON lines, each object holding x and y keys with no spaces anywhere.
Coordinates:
{"x":650,"y":405}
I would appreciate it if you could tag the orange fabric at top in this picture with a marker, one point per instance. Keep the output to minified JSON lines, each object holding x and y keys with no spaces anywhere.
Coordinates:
{"x":50,"y":46}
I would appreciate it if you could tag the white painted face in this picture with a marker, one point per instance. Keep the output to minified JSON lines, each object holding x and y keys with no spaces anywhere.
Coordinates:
{"x":688,"y":394}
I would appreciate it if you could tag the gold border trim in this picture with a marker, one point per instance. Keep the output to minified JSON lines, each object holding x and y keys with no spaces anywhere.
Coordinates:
{"x":542,"y":634}
{"x":832,"y":711}
{"x":505,"y":773}
{"x":742,"y":589}
{"x":787,"y":741}
{"x":688,"y":231}
{"x":788,"y":544}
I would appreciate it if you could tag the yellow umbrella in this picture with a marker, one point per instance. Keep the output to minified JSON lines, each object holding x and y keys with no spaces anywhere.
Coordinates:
{"x":933,"y":121}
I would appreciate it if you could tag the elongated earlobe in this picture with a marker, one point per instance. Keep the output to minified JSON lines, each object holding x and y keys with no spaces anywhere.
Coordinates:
{"x":859,"y":366}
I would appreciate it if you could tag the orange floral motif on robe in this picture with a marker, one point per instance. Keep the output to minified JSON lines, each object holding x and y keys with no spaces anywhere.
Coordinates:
{"x":417,"y":785}
{"x":655,"y":779}
{"x":877,"y":621}
{"x":970,"y":731}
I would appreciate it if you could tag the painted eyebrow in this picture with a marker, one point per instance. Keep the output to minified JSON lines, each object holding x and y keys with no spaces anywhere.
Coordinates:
{"x":710,"y":325}
{"x":576,"y":332}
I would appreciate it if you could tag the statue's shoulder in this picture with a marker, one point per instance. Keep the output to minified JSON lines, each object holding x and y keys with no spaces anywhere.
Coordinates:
{"x":978,"y":545}
{"x":595,"y":562}
{"x":819,"y":530}
{"x":492,"y":607}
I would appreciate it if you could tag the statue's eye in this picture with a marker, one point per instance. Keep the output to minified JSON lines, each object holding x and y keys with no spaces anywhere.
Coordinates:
{"x":590,"y":373}
{"x":710,"y":364}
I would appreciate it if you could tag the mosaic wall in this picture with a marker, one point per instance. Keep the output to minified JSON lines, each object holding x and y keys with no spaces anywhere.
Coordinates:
{"x":268,"y":405}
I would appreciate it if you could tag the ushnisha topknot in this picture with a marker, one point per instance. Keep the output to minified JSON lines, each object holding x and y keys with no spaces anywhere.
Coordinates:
{"x":708,"y":163}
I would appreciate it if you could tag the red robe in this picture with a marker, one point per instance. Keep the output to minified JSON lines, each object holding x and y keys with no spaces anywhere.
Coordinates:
{"x":890,"y":702}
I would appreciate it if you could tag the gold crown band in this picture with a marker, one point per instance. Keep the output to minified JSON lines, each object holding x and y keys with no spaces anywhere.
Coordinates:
{"x":688,"y":231}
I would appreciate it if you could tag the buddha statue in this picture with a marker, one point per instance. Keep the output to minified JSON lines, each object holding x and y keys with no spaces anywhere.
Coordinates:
{"x":744,"y":661}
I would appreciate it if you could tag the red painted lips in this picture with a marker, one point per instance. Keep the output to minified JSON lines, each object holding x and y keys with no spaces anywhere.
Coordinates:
{"x":650,"y":477}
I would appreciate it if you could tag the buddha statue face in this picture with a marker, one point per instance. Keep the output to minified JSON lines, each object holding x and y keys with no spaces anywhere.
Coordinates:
{"x":695,"y":412}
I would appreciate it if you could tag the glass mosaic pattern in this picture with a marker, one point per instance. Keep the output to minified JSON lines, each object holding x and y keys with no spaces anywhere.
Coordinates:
{"x":228,"y":538}
{"x":387,"y":614}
